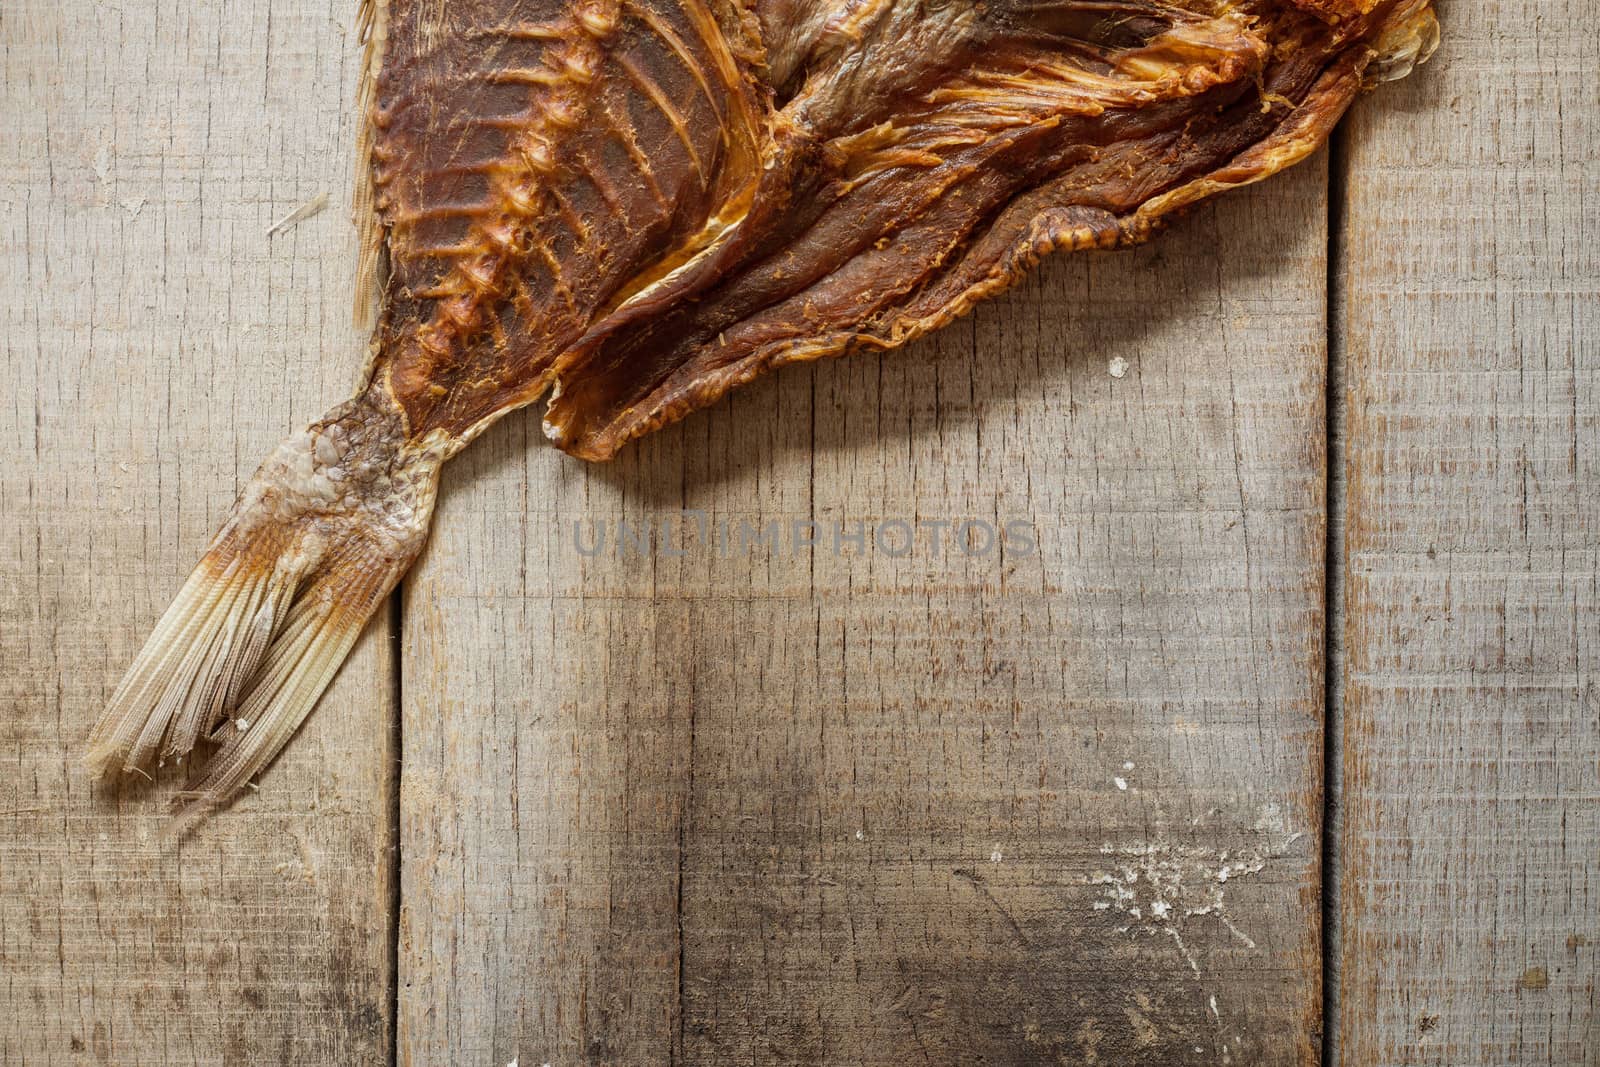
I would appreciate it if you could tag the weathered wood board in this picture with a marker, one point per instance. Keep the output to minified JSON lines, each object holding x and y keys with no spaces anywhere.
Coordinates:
{"x":1470,"y":342}
{"x":776,"y":806}
{"x":767,"y":805}
{"x":157,"y":344}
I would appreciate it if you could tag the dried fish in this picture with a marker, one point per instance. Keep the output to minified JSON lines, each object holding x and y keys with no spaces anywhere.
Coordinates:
{"x":632,"y":206}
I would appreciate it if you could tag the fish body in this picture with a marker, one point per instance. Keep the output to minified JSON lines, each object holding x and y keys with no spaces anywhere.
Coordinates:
{"x":629,"y":207}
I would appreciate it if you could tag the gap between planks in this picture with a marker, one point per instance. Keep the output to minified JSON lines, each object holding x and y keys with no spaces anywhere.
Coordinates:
{"x":1332,"y":599}
{"x":396,"y":778}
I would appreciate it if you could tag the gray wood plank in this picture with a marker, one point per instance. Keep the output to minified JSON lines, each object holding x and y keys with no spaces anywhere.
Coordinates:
{"x":798,"y":807}
{"x":1470,"y":343}
{"x":157,"y":344}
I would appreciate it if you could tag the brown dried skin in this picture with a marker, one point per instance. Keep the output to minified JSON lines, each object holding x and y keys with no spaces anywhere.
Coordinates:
{"x":533,"y":163}
{"x":635,"y":205}
{"x":647,"y":203}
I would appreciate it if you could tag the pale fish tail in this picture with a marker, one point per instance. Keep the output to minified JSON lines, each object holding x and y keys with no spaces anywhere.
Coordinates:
{"x":315,"y":544}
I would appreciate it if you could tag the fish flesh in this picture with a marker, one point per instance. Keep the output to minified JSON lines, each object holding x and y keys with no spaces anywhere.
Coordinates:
{"x":629,"y":207}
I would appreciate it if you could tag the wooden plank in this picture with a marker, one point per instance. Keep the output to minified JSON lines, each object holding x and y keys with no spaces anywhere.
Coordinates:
{"x":1470,"y":344}
{"x":780,"y":806}
{"x":157,"y":344}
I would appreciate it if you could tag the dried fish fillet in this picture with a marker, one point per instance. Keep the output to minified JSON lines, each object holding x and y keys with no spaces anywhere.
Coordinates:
{"x":632,"y":206}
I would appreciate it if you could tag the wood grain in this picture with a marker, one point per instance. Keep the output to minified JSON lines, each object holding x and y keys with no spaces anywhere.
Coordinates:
{"x":796,"y":807}
{"x":1470,"y":345}
{"x":157,"y":344}
{"x":804,"y":807}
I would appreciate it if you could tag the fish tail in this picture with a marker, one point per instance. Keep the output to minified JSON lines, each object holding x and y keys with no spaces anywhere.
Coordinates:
{"x":315,"y":544}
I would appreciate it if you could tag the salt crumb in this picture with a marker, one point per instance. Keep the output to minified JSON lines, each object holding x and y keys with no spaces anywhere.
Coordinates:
{"x":861,"y":835}
{"x":242,"y":724}
{"x":1214,"y":1010}
{"x":1160,"y":909}
{"x":995,"y":856}
{"x":1119,"y":367}
{"x":1128,"y":766}
{"x":1122,"y":783}
{"x":102,"y":164}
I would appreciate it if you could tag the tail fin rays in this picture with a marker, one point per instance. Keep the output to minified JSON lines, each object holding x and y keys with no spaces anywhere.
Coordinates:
{"x":318,"y":539}
{"x":174,"y":679}
{"x":240,"y":659}
{"x":315,"y":637}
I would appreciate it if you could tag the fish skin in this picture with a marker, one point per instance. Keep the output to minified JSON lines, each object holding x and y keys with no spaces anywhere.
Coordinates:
{"x":531,"y":161}
{"x":650,"y":202}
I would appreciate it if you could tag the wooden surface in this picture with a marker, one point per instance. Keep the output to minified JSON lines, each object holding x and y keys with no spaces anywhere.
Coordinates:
{"x":816,"y":808}
{"x":1470,"y":343}
{"x":776,"y":806}
{"x":157,"y":344}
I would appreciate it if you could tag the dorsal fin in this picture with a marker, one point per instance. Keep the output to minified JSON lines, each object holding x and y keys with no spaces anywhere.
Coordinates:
{"x":372,"y":22}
